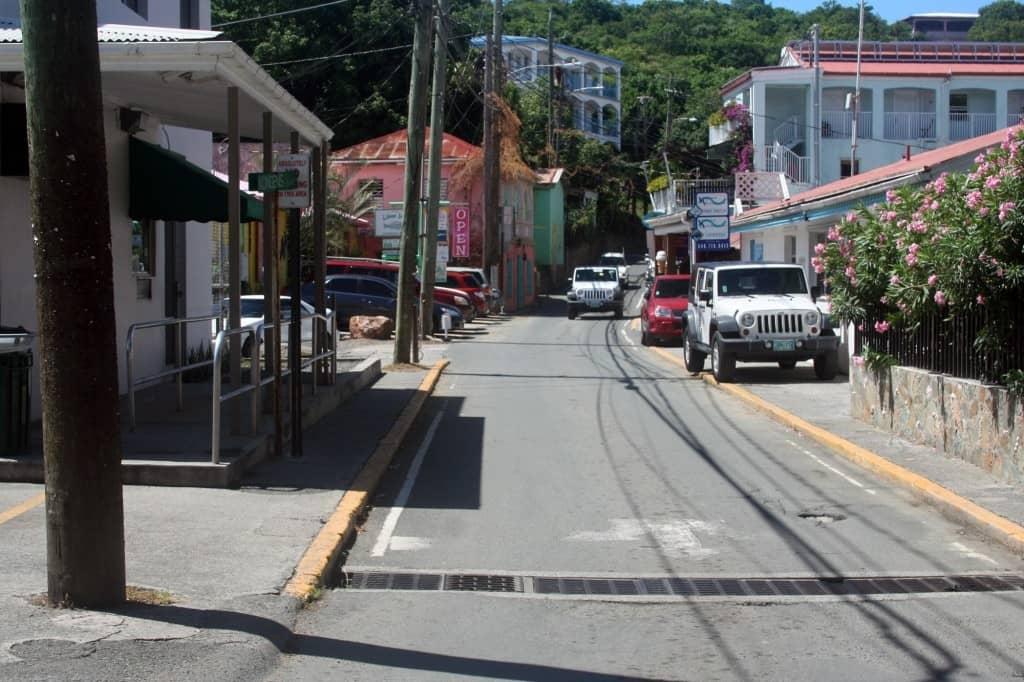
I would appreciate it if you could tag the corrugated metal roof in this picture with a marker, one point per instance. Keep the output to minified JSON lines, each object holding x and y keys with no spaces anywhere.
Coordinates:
{"x":549,"y":176}
{"x":392,"y":147}
{"x":10,"y":32}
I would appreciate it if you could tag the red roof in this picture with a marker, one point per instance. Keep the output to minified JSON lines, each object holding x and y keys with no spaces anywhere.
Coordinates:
{"x":936,"y":70}
{"x":392,"y":147}
{"x":918,"y":163}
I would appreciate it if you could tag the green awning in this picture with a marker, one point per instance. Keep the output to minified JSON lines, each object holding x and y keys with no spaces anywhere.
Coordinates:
{"x":164,"y":185}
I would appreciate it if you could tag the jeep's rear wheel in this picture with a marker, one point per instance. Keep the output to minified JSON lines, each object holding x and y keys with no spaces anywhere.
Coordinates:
{"x":618,"y":313}
{"x":693,"y":357}
{"x":723,"y":363}
{"x":787,"y":364}
{"x":827,"y":366}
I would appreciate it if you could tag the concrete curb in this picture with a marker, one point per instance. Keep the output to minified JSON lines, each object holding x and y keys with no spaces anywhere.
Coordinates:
{"x":325,"y":549}
{"x":950,"y":504}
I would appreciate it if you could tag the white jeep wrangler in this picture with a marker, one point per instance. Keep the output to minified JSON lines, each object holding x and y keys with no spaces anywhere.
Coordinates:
{"x":756,"y":312}
{"x":594,"y":289}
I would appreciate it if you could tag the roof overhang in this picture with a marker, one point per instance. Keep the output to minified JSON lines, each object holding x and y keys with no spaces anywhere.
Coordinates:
{"x":185,"y":84}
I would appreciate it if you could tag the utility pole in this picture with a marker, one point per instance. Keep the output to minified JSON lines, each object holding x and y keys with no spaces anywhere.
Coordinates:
{"x":427,"y":275}
{"x":493,"y":187}
{"x":551,"y":94}
{"x":668,"y":113}
{"x":85,"y":562}
{"x":856,"y":94}
{"x":816,"y":106}
{"x":488,"y":145}
{"x":413,"y":175}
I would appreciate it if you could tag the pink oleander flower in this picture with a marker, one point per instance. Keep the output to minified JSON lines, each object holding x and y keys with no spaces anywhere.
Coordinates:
{"x":993,"y":182}
{"x":891,"y":196}
{"x":940,"y":184}
{"x":860,"y":327}
{"x":819,"y":249}
{"x":889,"y":216}
{"x":894,"y":280}
{"x":940,"y":298}
{"x":819,"y":265}
{"x":934,"y":205}
{"x":918,"y":226}
{"x":911,"y":259}
{"x":850,"y":272}
{"x":881,"y":326}
{"x":882,"y":238}
{"x":980,"y":299}
{"x":973,"y":199}
{"x":833,"y":233}
{"x":933,"y":280}
{"x":851,"y":217}
{"x":980,"y":158}
{"x":1006,"y":208}
{"x":858,"y":360}
{"x":983,"y":211}
{"x":883,"y":300}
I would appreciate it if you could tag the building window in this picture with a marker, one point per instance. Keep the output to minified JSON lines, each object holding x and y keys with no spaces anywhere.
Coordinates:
{"x":143,"y":257}
{"x":756,"y":250}
{"x":13,"y":140}
{"x":426,"y":187}
{"x":190,"y":13}
{"x":375,"y":187}
{"x":140,"y":7}
{"x":847,"y":168}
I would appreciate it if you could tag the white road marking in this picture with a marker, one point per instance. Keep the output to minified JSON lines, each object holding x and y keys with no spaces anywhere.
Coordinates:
{"x":831,"y":468}
{"x":407,"y":543}
{"x":673,"y":537}
{"x":384,"y":539}
{"x":971,"y":554}
{"x":626,"y":337}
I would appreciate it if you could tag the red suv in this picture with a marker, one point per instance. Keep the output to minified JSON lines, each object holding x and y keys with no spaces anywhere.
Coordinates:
{"x":664,"y":311}
{"x":466,"y":282}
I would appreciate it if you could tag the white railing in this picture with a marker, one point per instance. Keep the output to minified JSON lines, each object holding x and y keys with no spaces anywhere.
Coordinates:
{"x":789,"y":132}
{"x":686,"y":191}
{"x":178,"y":371}
{"x":779,"y":159}
{"x":252,"y":387}
{"x":909,"y":125}
{"x":1014,"y":119}
{"x":966,"y":125}
{"x":839,"y":124}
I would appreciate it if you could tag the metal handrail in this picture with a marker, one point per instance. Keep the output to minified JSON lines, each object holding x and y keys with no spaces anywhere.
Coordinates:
{"x":16,"y":343}
{"x":178,"y":371}
{"x":330,"y":319}
{"x":217,"y":398}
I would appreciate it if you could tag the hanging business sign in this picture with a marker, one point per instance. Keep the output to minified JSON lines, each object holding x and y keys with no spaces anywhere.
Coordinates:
{"x":298,"y":197}
{"x":387,"y":222}
{"x":712,"y":228}
{"x":711,"y":204}
{"x":460,"y":232}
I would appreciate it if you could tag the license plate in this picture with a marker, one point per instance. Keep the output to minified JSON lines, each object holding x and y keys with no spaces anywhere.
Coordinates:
{"x":594,"y":304}
{"x":784,"y":345}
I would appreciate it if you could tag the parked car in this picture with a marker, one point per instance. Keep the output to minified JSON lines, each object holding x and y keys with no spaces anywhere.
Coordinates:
{"x":594,"y":289}
{"x":756,"y":312}
{"x":252,"y":315}
{"x":493,"y":293}
{"x":388,"y":270}
{"x":664,"y":310}
{"x":469,"y":285}
{"x":351,"y":295}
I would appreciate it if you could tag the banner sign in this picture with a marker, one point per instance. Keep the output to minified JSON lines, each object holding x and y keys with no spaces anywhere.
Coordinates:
{"x":712,"y":244}
{"x":387,"y":222}
{"x":460,"y":232}
{"x":298,"y":197}
{"x":712,"y":228}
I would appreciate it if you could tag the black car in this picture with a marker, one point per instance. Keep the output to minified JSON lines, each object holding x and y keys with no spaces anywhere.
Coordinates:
{"x":350,"y":295}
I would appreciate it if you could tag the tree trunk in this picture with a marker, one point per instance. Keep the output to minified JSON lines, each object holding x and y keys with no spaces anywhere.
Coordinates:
{"x":75,"y":304}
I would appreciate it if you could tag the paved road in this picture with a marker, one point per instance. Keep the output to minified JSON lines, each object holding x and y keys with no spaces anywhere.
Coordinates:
{"x":558,"y":448}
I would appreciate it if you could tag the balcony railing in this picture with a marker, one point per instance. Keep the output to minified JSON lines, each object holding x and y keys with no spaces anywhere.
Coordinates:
{"x":963,"y":125}
{"x":840,"y":124}
{"x":779,"y":159}
{"x":687,"y":190}
{"x":1014,"y":119}
{"x":789,"y":132}
{"x":909,"y":125}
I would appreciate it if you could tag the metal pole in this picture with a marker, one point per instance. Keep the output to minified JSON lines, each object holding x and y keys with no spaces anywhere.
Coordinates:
{"x":275,"y":306}
{"x":254,"y":379}
{"x":295,"y":324}
{"x":269,"y":243}
{"x":551,"y":94}
{"x":181,"y":362}
{"x":816,"y":107}
{"x":856,"y":95}
{"x":319,"y":260}
{"x":130,"y":361}
{"x":234,"y":245}
{"x":215,"y":407}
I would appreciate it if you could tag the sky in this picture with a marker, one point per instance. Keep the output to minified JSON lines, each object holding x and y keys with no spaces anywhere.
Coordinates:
{"x":892,"y":10}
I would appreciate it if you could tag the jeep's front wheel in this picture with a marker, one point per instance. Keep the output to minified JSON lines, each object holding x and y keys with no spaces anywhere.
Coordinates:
{"x":827,"y":366}
{"x":694,"y":358}
{"x":723,"y":363}
{"x":572,"y":312}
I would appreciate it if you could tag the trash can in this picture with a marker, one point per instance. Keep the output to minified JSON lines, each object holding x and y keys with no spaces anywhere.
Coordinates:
{"x":15,"y":399}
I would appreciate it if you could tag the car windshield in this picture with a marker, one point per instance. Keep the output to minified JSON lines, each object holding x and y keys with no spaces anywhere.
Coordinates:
{"x":744,"y":282}
{"x":252,"y":307}
{"x":672,"y":288}
{"x":612,"y":260}
{"x":596,"y":276}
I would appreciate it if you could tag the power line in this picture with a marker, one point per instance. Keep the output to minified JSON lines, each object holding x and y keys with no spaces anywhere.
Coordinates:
{"x":278,"y":14}
{"x":350,"y":54}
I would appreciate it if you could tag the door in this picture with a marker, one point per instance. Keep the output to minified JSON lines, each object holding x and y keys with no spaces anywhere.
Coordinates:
{"x":343,"y":298}
{"x":705,"y":311}
{"x":174,"y":284}
{"x":377,"y":298}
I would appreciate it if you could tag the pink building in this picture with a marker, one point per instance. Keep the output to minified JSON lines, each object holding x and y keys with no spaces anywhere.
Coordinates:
{"x":379,"y":165}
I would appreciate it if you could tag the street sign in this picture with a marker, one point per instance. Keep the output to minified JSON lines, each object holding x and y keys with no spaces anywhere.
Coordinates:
{"x":387,"y":222}
{"x":710,"y":228}
{"x":711,"y":204}
{"x":273,"y":182}
{"x":712,"y":244}
{"x":442,"y":224}
{"x":441,"y":264}
{"x":299,"y":196}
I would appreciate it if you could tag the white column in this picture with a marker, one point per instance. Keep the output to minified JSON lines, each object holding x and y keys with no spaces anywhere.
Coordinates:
{"x":758,"y":110}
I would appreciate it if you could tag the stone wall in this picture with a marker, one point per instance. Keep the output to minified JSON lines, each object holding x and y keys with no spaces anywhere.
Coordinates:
{"x":980,"y":424}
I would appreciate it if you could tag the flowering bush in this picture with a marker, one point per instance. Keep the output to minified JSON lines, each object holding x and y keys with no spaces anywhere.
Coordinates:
{"x":737,"y":116}
{"x":953,"y":246}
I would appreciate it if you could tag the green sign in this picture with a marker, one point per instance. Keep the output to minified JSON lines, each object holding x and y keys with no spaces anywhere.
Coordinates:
{"x":273,"y":182}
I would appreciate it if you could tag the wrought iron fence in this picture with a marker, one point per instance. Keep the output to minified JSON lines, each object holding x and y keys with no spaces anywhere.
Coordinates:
{"x":947,"y":346}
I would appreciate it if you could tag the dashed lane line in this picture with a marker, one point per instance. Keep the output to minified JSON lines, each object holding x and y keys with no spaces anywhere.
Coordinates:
{"x":849,"y":479}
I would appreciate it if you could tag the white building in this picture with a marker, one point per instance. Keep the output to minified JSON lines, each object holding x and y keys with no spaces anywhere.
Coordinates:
{"x":591,"y":82}
{"x":940,"y":25}
{"x":157,"y":78}
{"x":916,"y":96}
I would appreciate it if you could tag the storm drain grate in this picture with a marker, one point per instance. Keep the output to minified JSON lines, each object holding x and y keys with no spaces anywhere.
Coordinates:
{"x":686,"y":587}
{"x":483,"y":583}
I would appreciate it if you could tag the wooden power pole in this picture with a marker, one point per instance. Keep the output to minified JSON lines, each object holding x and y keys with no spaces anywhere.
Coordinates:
{"x":413,"y":176}
{"x":492,"y":147}
{"x":71,"y":228}
{"x":434,"y":171}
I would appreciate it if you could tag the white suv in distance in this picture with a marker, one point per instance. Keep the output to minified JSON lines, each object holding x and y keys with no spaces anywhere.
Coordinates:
{"x":594,"y":289}
{"x":617,"y":260}
{"x":756,"y":312}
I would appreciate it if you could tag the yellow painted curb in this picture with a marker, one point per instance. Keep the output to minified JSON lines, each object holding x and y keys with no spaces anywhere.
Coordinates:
{"x":19,"y":509}
{"x":960,"y":508}
{"x":324,"y":549}
{"x":668,"y":356}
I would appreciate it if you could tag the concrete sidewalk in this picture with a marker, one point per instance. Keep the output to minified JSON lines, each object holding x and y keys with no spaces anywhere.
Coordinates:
{"x":826,"y":404}
{"x":221,"y":556}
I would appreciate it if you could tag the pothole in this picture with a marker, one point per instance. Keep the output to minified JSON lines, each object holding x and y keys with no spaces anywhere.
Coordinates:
{"x":821,"y":518}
